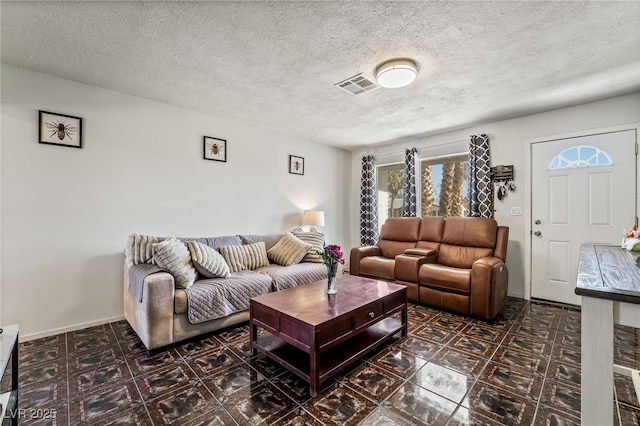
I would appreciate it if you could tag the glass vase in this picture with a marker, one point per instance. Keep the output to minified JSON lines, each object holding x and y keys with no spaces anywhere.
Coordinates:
{"x":332,"y":281}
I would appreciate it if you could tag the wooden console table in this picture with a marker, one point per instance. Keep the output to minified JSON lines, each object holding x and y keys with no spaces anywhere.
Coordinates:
{"x":9,"y":350}
{"x":606,"y":274}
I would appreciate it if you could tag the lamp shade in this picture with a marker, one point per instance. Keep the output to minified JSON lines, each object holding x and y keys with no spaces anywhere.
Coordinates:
{"x":313,"y":218}
{"x":397,"y":73}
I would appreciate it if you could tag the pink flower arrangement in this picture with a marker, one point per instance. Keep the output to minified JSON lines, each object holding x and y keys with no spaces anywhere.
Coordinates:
{"x":332,"y":255}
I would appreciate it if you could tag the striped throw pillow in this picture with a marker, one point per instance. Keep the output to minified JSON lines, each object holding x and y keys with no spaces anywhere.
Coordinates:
{"x":316,"y":240}
{"x":248,"y":256}
{"x":207,"y":261}
{"x":172,"y":255}
{"x":139,"y":248}
{"x":289,"y":250}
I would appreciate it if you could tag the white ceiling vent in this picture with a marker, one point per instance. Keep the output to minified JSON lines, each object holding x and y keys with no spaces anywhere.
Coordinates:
{"x":357,"y":84}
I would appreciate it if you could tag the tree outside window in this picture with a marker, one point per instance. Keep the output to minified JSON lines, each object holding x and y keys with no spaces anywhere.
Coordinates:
{"x":443,"y":186}
{"x":390,"y":191}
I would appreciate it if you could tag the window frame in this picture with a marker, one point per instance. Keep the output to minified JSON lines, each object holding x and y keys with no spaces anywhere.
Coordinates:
{"x":579,"y":162}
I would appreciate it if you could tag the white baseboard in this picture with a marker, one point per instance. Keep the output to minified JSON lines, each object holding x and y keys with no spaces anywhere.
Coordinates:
{"x":518,"y":296}
{"x":33,"y":336}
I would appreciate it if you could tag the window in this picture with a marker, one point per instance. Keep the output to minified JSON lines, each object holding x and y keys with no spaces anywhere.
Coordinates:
{"x":580,"y":156}
{"x":441,"y":182}
{"x":443,"y":186}
{"x":390,"y":191}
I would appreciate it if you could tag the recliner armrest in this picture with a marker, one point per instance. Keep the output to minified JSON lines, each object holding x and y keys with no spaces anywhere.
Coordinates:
{"x":358,"y":253}
{"x":416,"y":251}
{"x":489,"y":285}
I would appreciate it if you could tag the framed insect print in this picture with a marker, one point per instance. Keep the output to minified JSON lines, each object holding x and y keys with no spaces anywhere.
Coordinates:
{"x":296,"y":165}
{"x":215,"y":149}
{"x":60,"y":129}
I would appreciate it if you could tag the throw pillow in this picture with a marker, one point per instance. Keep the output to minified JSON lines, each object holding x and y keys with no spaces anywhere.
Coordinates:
{"x":248,"y":256}
{"x":175,"y":258}
{"x":139,"y":248}
{"x":289,"y":250}
{"x":207,"y":260}
{"x":316,"y":240}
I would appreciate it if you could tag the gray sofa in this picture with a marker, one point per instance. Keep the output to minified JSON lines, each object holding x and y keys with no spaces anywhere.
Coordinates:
{"x":163,"y":314}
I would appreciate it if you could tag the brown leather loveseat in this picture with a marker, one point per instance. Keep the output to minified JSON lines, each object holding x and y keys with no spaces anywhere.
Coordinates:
{"x":455,"y":263}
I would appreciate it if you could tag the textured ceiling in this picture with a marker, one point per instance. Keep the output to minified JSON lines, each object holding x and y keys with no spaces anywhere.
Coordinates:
{"x":274,"y":64}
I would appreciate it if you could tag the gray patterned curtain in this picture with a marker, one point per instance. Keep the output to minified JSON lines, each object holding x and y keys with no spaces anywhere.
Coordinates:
{"x":480,"y":188}
{"x":409,"y":197}
{"x":368,"y":203}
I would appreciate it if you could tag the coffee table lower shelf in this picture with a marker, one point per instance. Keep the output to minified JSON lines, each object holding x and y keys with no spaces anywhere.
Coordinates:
{"x":331,"y":360}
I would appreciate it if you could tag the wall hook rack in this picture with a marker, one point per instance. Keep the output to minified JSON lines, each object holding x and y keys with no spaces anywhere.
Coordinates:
{"x":499,"y":173}
{"x":502,"y":177}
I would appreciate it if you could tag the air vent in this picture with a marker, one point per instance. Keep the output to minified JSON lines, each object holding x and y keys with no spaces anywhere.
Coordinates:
{"x":357,"y":84}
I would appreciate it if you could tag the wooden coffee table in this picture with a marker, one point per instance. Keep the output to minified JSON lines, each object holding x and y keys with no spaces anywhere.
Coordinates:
{"x":315,"y":335}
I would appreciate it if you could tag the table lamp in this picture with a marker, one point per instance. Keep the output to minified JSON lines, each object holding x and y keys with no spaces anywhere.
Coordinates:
{"x":314,"y":218}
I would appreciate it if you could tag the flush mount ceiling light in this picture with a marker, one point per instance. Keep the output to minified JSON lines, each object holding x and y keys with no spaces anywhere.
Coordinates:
{"x":396,"y":73}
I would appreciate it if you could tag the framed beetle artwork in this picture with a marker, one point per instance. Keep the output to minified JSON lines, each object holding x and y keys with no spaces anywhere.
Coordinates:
{"x":60,"y":129}
{"x":296,"y":165}
{"x":215,"y":149}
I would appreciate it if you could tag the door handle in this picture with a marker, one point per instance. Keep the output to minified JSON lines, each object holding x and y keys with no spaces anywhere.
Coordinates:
{"x":537,"y":233}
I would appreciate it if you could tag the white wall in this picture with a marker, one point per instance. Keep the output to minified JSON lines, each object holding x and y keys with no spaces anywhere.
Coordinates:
{"x":66,"y":213}
{"x":1,"y":192}
{"x":508,"y":146}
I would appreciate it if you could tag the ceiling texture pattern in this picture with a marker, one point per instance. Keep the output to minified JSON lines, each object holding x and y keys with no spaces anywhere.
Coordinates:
{"x":274,"y":64}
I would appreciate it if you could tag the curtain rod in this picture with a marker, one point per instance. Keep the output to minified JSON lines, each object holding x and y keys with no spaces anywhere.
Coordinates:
{"x":384,"y":154}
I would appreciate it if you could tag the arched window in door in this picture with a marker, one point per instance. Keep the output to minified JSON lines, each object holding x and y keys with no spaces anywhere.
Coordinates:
{"x":580,"y":156}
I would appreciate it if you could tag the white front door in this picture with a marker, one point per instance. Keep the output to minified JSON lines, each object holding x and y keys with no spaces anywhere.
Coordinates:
{"x":583,"y":191}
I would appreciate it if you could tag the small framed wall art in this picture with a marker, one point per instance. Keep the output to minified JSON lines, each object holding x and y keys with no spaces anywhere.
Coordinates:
{"x":215,"y":149}
{"x":60,"y":129}
{"x":296,"y":165}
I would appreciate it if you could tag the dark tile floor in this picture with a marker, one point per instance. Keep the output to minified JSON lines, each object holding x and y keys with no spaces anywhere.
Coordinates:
{"x":521,"y":368}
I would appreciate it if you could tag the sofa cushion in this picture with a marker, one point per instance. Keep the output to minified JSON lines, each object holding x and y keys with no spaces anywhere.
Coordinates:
{"x":289,"y":250}
{"x":461,"y":257}
{"x":390,"y":249}
{"x":431,"y":230}
{"x":247,"y":256}
{"x":470,"y":232}
{"x":294,"y":275}
{"x":316,"y":239}
{"x":214,"y":242}
{"x":445,"y":278}
{"x":401,"y":229}
{"x":207,"y":261}
{"x":398,"y":234}
{"x":226,"y":240}
{"x":467,"y":239}
{"x":139,"y":249}
{"x":173,"y":256}
{"x":214,"y":298}
{"x":269,"y":240}
{"x":378,"y":266}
